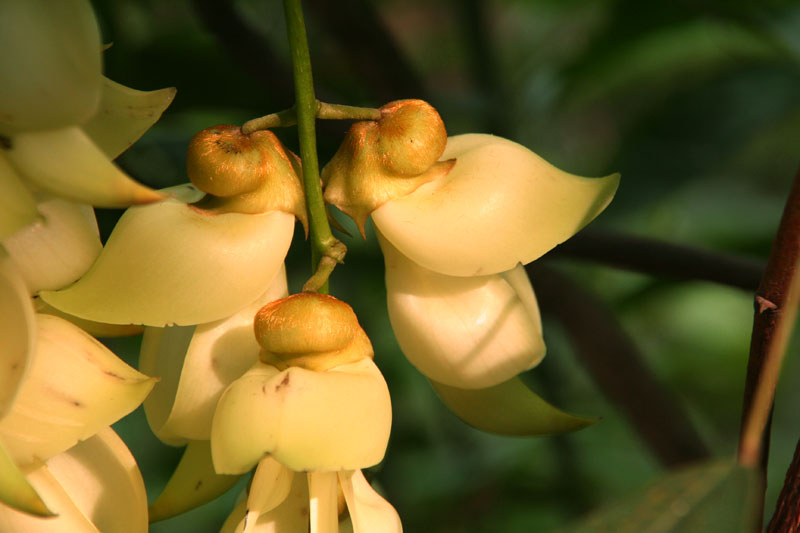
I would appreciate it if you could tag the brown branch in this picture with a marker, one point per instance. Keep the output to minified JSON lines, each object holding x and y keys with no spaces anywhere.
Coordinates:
{"x":787,"y":511}
{"x":615,"y":364}
{"x":776,"y":303}
{"x":651,"y":256}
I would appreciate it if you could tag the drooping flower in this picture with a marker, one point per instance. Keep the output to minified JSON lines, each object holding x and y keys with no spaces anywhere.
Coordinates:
{"x":455,"y":226}
{"x":197,"y":364}
{"x":206,"y":251}
{"x":315,"y":403}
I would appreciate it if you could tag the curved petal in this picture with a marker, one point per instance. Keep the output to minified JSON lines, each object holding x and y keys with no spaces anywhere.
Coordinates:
{"x":270,"y":487}
{"x":51,"y":64}
{"x":66,"y":163}
{"x":102,"y":477}
{"x":499,"y":206}
{"x":182,"y":405}
{"x":17,"y":205}
{"x":16,"y":491}
{"x":94,"y":486}
{"x":170,"y":263}
{"x":124,"y":115}
{"x":194,"y":483}
{"x":55,"y":252}
{"x":510,"y":408}
{"x":17,"y":331}
{"x":369,"y":512}
{"x":332,"y":420}
{"x":69,"y":519}
{"x":291,"y":516}
{"x":467,"y":332}
{"x":75,"y":387}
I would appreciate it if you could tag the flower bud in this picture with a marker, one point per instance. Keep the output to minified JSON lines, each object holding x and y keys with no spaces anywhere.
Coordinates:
{"x":412,"y":137}
{"x":379,"y":161}
{"x":244,"y":173}
{"x":312,"y":331}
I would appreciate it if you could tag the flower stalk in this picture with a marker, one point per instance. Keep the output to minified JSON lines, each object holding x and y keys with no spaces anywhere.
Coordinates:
{"x":306,"y":106}
{"x":324,"y":111}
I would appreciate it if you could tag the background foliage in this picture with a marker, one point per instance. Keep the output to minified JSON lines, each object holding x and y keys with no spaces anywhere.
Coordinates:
{"x":697,"y":104}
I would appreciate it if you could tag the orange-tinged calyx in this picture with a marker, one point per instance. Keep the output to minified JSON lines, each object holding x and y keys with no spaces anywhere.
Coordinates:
{"x":379,"y":161}
{"x":244,"y":173}
{"x":311,"y":331}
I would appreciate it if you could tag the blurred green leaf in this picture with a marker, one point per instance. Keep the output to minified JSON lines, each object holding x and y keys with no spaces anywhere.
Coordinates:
{"x":510,"y":408}
{"x":713,"y":496}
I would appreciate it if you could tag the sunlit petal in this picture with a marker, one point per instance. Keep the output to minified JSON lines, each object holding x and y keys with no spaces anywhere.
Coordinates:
{"x":332,"y":420}
{"x":124,"y":115}
{"x":75,"y":386}
{"x":94,"y":486}
{"x":17,"y":331}
{"x":169,"y":263}
{"x":66,"y":163}
{"x":322,"y":501}
{"x":56,"y":251}
{"x":467,"y":332}
{"x":499,"y":206}
{"x":291,"y":516}
{"x":270,"y":486}
{"x":197,"y":367}
{"x":369,"y":512}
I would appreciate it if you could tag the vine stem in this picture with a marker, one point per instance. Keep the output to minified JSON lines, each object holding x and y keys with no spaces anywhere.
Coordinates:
{"x":776,"y":302}
{"x":306,"y":107}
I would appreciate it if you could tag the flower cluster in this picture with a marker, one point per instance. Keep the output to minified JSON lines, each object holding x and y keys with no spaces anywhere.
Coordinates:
{"x":250,"y":378}
{"x":61,"y":124}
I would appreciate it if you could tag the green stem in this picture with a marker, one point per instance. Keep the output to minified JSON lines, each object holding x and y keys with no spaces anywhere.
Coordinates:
{"x":324,"y":110}
{"x":306,"y":109}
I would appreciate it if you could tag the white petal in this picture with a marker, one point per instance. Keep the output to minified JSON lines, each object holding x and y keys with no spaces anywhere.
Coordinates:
{"x":193,"y":483}
{"x":67,"y":163}
{"x":332,"y":420}
{"x":169,"y":263}
{"x":467,"y":332}
{"x":56,"y":251}
{"x":269,"y":488}
{"x":69,"y":519}
{"x":17,"y":331}
{"x":197,"y":367}
{"x":75,"y":387}
{"x":17,"y":205}
{"x":50,"y":65}
{"x":102,"y":478}
{"x":499,"y":206}
{"x":289,"y":517}
{"x":124,"y":115}
{"x":95,"y":486}
{"x":369,"y":512}
{"x":323,"y":502}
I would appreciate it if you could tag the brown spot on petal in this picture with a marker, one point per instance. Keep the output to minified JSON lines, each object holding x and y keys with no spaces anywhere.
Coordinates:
{"x":198,"y":485}
{"x":284,"y":382}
